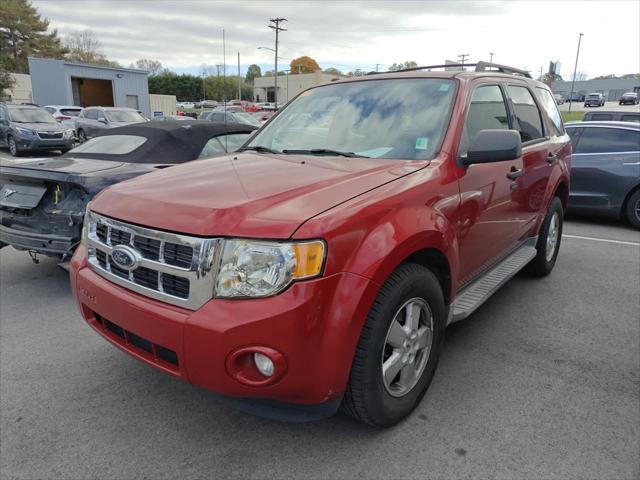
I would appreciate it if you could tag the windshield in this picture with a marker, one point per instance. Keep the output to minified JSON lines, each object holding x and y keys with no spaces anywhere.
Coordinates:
{"x":110,"y":144}
{"x":399,"y":118}
{"x":127,"y":116}
{"x":594,"y":95}
{"x":247,"y":119}
{"x":30,"y":115}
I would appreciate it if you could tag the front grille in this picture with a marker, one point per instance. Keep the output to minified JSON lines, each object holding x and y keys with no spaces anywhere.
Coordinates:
{"x":173,"y":268}
{"x":136,"y":342}
{"x":50,"y":135}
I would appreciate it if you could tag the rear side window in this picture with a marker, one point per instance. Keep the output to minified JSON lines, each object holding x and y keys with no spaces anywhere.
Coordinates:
{"x":608,"y":140}
{"x":630,"y":117}
{"x":111,"y":145}
{"x":527,"y":113}
{"x":551,"y":109}
{"x":601,"y":116}
{"x":487,"y":110}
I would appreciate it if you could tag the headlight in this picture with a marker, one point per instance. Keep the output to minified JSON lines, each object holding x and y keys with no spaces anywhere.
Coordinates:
{"x":26,"y":132}
{"x":68,"y":134}
{"x":251,"y":268}
{"x":87,"y":226}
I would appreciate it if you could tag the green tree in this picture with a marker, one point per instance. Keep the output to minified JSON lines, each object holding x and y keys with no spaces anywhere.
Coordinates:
{"x":402,"y":65}
{"x":6,"y":83}
{"x":84,"y":47}
{"x":304,"y":64}
{"x":23,"y":33}
{"x":253,"y":72}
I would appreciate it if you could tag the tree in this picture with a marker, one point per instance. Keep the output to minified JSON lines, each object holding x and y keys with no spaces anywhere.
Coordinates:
{"x":154,"y":67}
{"x":332,"y":71}
{"x":23,"y":34}
{"x":626,"y":76}
{"x":83,"y":47}
{"x":549,"y":78}
{"x":304,"y":64}
{"x":253,"y":72}
{"x":402,"y":65}
{"x":6,"y":83}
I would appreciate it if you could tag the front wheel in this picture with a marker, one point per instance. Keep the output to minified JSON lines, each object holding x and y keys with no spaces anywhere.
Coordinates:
{"x":548,"y":241}
{"x":13,"y":146}
{"x":82,"y":137}
{"x":633,"y":209}
{"x":398,"y":349}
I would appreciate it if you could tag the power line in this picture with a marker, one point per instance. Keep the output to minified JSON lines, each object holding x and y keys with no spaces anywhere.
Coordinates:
{"x":276,"y":26}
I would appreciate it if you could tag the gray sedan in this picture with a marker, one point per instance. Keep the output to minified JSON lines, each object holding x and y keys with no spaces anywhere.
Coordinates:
{"x":605,"y":172}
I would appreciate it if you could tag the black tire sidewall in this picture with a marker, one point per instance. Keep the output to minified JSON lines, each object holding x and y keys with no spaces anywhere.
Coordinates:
{"x":418,"y":282}
{"x":630,"y":210}
{"x":554,"y":207}
{"x":15,"y":151}
{"x":82,"y":137}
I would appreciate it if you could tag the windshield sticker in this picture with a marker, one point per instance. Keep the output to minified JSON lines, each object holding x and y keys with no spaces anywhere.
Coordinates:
{"x":375,"y":152}
{"x":422,"y":143}
{"x":444,"y":87}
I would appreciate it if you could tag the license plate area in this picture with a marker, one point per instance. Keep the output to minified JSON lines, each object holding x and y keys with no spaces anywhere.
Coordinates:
{"x":19,"y":195}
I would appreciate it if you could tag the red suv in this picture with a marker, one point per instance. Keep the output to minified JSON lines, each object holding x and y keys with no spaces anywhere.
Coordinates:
{"x":321,"y":264}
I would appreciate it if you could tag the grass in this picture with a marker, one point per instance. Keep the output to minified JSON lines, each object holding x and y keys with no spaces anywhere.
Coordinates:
{"x":571,"y":116}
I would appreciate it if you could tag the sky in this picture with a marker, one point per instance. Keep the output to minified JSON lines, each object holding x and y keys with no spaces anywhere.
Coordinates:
{"x":185,"y":35}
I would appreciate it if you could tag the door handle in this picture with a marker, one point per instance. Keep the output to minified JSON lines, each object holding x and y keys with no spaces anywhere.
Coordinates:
{"x":552,"y":157}
{"x":514,"y":173}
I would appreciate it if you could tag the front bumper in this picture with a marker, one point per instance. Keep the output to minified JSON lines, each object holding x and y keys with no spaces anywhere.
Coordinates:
{"x":315,"y":325}
{"x":47,"y":244}
{"x":44,"y":144}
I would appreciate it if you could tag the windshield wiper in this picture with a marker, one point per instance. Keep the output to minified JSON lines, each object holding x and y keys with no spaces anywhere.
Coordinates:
{"x":258,"y":148}
{"x":323,"y":151}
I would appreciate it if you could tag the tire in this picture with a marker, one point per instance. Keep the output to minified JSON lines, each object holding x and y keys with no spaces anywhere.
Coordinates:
{"x":632,"y":209}
{"x":64,"y":150}
{"x":370,"y":398}
{"x":82,"y":137}
{"x":548,"y":248}
{"x":13,"y":146}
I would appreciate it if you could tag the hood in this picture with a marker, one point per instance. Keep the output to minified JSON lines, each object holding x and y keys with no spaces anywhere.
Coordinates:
{"x":251,"y":195}
{"x":71,"y":166}
{"x":41,"y":127}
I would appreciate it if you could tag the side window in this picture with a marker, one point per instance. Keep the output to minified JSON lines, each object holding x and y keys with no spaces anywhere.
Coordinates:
{"x":91,"y":114}
{"x":551,"y":109}
{"x":3,"y":116}
{"x":51,"y":110}
{"x":630,"y":117}
{"x":608,"y":140}
{"x":574,"y":134}
{"x":212,"y":147}
{"x":527,"y":113}
{"x":601,"y":116}
{"x":100,"y":115}
{"x":487,"y":110}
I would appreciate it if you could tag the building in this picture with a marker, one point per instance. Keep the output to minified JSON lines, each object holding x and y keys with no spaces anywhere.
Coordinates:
{"x":289,"y":85}
{"x":611,"y":88}
{"x":59,"y":82}
{"x":21,"y":90}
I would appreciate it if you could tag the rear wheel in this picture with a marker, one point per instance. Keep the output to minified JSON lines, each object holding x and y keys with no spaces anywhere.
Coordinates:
{"x":398,"y":349}
{"x":633,"y":209}
{"x":548,"y":240}
{"x":82,"y":137}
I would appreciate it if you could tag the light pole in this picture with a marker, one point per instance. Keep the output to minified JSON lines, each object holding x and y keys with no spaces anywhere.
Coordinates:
{"x":575,"y":68}
{"x":491,"y":54}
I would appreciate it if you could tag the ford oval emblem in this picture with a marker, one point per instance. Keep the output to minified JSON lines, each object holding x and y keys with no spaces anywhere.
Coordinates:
{"x":125,"y":257}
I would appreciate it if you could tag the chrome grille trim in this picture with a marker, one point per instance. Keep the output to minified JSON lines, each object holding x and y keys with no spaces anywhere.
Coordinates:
{"x":200,"y":274}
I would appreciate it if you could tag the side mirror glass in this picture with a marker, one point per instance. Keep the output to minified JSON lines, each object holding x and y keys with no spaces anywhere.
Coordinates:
{"x":490,"y":146}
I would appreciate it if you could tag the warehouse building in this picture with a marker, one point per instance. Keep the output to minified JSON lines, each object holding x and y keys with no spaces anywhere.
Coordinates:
{"x":59,"y":82}
{"x":611,"y":88}
{"x":289,"y":85}
{"x":20,"y":92}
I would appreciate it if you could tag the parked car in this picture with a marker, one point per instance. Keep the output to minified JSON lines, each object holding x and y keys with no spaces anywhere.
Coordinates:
{"x":629,"y":98}
{"x":574,"y":97}
{"x":207,"y":104}
{"x":64,"y":114}
{"x":558,"y":98}
{"x":612,"y":116}
{"x":263,"y":116}
{"x":229,"y":108}
{"x":221,"y":116}
{"x":25,"y":128}
{"x":320,"y":264}
{"x":96,"y":119}
{"x":172,"y":118}
{"x":187,"y":105}
{"x":605,"y":177}
{"x":42,"y":203}
{"x":594,"y":100}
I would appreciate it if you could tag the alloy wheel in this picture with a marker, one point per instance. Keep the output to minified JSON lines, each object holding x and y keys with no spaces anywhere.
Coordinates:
{"x":552,"y":236}
{"x":407,"y":347}
{"x":13,"y":148}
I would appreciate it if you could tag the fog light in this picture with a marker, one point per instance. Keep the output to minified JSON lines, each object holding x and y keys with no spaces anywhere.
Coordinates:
{"x":263,"y":364}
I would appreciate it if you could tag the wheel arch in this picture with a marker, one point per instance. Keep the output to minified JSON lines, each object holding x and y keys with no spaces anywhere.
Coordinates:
{"x":632,"y":190}
{"x":562,"y":192}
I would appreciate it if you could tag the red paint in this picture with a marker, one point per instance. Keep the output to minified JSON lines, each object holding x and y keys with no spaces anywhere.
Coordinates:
{"x":372,"y":214}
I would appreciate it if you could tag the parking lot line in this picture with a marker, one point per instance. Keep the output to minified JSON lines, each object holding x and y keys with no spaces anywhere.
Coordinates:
{"x":607,"y":240}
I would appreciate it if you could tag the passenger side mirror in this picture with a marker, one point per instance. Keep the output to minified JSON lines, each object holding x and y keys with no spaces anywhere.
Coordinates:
{"x":490,"y":146}
{"x":103,"y":120}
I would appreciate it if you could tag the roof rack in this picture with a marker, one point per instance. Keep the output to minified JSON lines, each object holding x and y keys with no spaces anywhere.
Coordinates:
{"x":480,"y":67}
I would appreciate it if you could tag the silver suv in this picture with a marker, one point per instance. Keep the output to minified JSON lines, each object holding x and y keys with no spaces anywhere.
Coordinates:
{"x":94,"y":119}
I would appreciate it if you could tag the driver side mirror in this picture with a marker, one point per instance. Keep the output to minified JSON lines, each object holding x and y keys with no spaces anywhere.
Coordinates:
{"x":103,"y":120}
{"x":490,"y":146}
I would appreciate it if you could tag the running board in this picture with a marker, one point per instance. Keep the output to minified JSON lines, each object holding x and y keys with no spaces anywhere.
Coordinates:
{"x":471,"y":297}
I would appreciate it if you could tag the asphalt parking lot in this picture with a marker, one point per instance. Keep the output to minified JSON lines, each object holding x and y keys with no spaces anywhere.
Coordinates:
{"x":542,"y":382}
{"x":608,"y":106}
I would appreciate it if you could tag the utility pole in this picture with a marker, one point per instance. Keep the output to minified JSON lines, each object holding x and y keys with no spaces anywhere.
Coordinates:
{"x":276,"y":26}
{"x":224,"y":72}
{"x":540,"y":77}
{"x":377,"y":65}
{"x":575,"y":68}
{"x":463,"y":58}
{"x":239,"y":81}
{"x":491,"y":54}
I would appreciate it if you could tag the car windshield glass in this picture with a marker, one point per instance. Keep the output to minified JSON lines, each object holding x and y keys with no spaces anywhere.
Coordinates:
{"x":30,"y":115}
{"x":248,"y":119}
{"x":397,"y":118}
{"x":123,"y":116}
{"x":72,"y":112}
{"x":110,"y":144}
